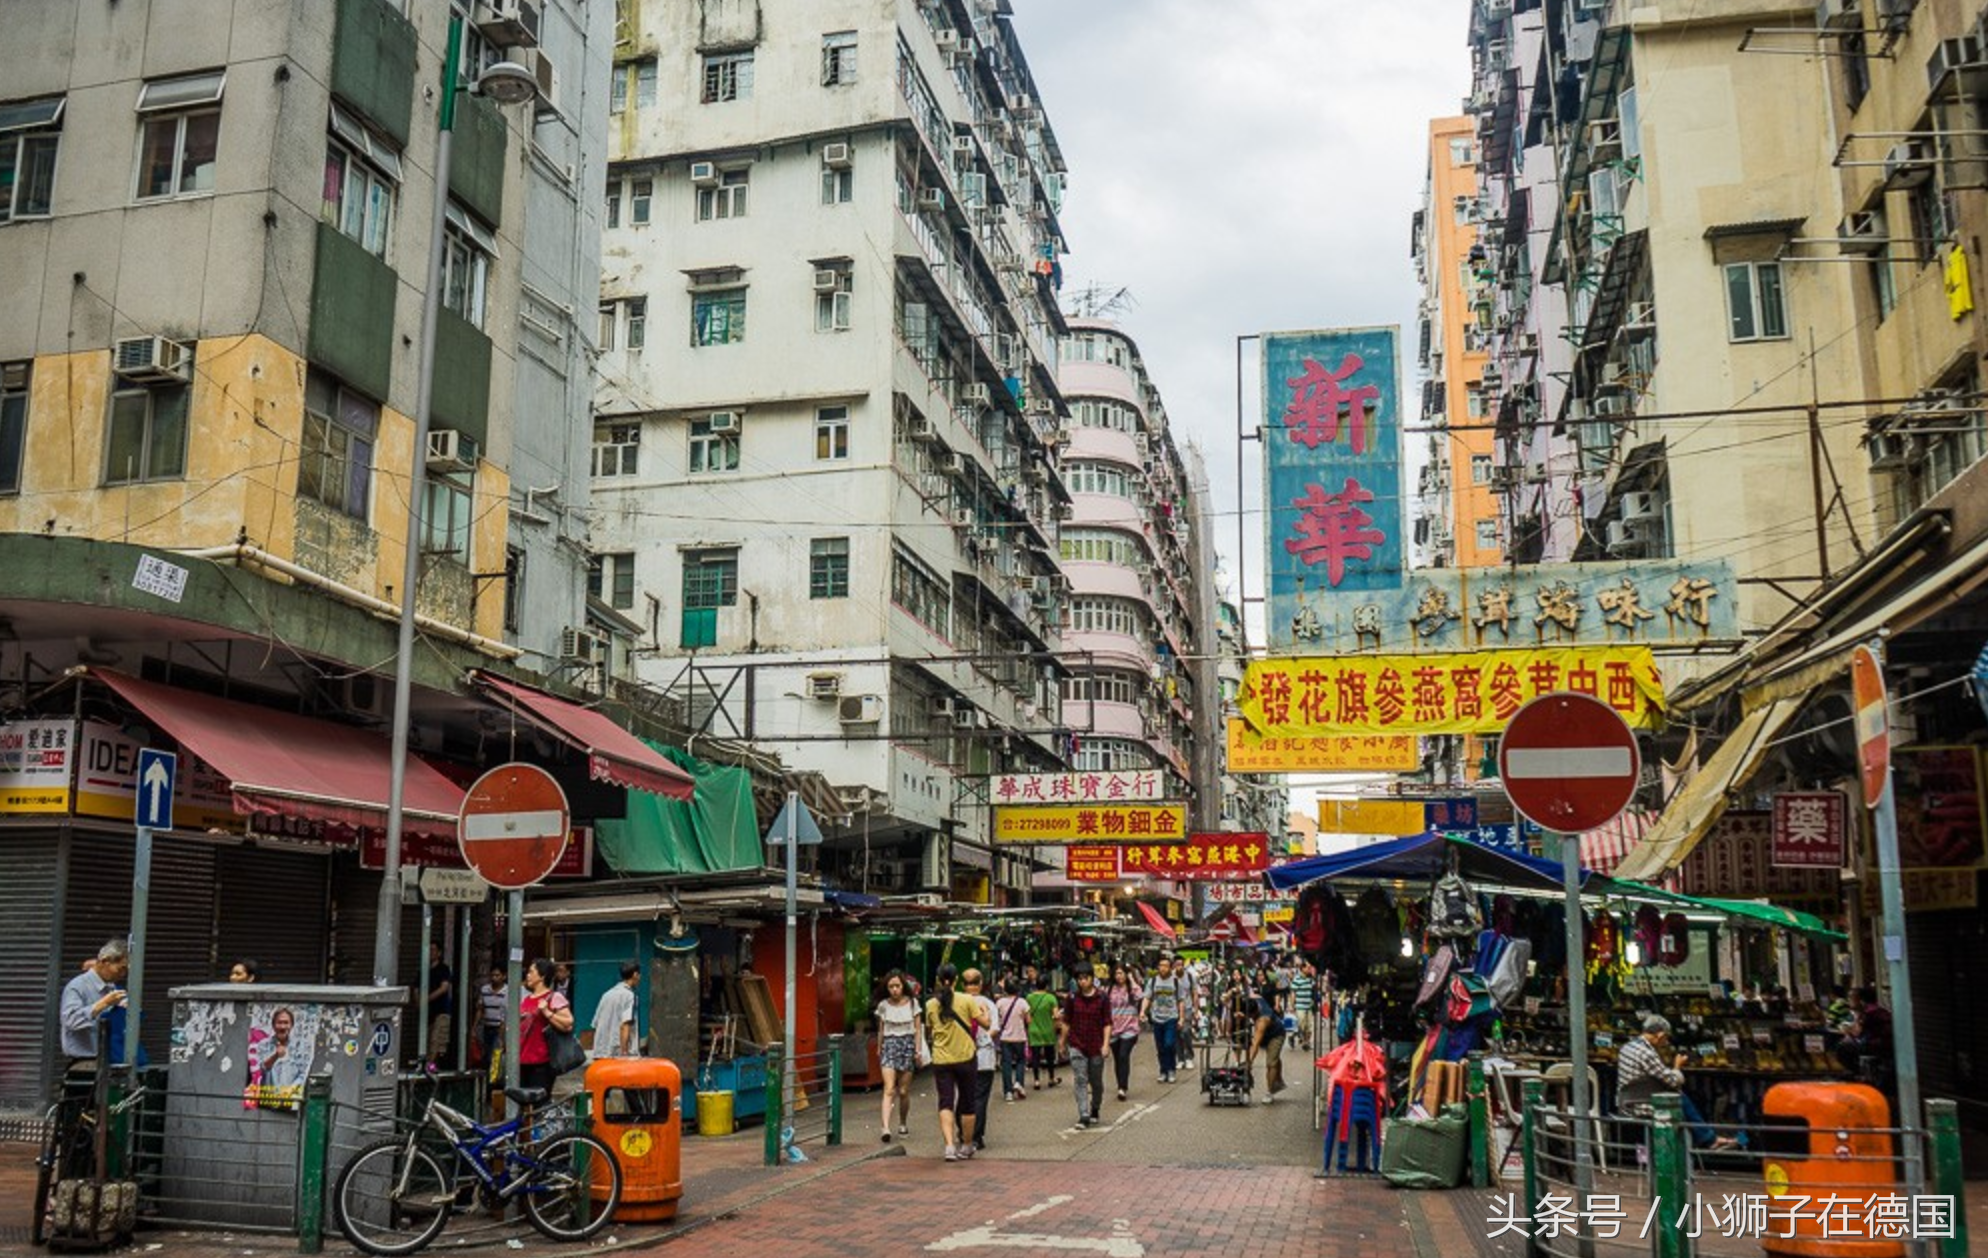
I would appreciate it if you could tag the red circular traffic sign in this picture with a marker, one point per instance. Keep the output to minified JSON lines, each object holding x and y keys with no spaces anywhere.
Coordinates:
{"x":513,"y":826}
{"x":1569,"y":762}
{"x":1873,"y":723}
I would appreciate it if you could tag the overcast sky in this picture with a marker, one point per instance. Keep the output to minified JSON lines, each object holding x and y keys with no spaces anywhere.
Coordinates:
{"x":1242,"y":166}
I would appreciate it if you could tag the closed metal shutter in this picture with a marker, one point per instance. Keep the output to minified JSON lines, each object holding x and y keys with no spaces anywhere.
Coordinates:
{"x":179,"y":932}
{"x":355,"y":907}
{"x":274,"y":907}
{"x":28,"y":867}
{"x":1948,"y":970}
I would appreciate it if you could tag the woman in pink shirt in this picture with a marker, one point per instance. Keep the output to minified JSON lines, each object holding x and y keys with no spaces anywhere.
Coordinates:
{"x":1011,"y":1030}
{"x":1126,"y":997}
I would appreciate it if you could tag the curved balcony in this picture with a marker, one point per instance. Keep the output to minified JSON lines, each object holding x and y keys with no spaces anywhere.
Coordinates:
{"x":1108,"y":510}
{"x":1102,"y":719}
{"x":1100,"y":379}
{"x":1091,"y":576}
{"x":1098,"y":648}
{"x":1104,"y":443}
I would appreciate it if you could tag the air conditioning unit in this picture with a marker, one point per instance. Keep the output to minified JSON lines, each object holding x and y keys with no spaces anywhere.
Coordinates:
{"x":824,"y":686}
{"x":1066,"y":511}
{"x":969,"y":718}
{"x":947,"y":40}
{"x":827,"y":279}
{"x":723,"y":421}
{"x":1840,"y":14}
{"x":1890,"y":450}
{"x":1637,"y":507}
{"x":704,"y":174}
{"x":963,"y":146}
{"x":510,"y":23}
{"x":1960,"y":56}
{"x":860,"y":709}
{"x":945,"y":460}
{"x":548,"y":83}
{"x":1605,"y":134}
{"x":942,"y":708}
{"x":919,"y":428}
{"x":931,"y":199}
{"x":1611,"y":405}
{"x":150,"y":360}
{"x":1619,"y":537}
{"x":451,"y":451}
{"x":1908,"y":164}
{"x":1021,"y":103}
{"x":962,"y":517}
{"x":582,"y":646}
{"x":1639,"y":315}
{"x":975,"y":394}
{"x":1059,"y":437}
{"x":1863,"y":232}
{"x":835,"y":156}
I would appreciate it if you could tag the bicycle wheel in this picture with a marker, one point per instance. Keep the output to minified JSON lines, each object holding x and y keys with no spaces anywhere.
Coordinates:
{"x":573,"y":1187}
{"x":391,"y":1200}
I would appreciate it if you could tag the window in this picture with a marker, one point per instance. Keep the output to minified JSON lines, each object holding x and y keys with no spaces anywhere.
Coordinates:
{"x":838,"y":59}
{"x":718,"y":316}
{"x":468,"y":249}
{"x":1487,"y":535}
{"x":514,"y":588}
{"x":1101,"y":414}
{"x":335,"y":466}
{"x":1106,"y":615}
{"x":617,"y":449}
{"x":1105,"y":688}
{"x":1856,"y":57}
{"x":1884,"y":284}
{"x":445,"y":515}
{"x":636,"y":78}
{"x":1111,"y":755}
{"x":922,"y":596}
{"x":1480,"y":469}
{"x":611,"y":579}
{"x":630,"y":317}
{"x":1462,"y":151}
{"x":1098,"y":478}
{"x":838,"y":185}
{"x":1473,"y":400}
{"x":614,"y":203}
{"x":13,"y":423}
{"x":180,"y":133}
{"x":714,"y":443}
{"x":832,"y":432}
{"x":1930,"y":223}
{"x":833,"y":303}
{"x":724,"y":199}
{"x":1755,"y":307}
{"x":147,"y":433}
{"x":1100,"y":546}
{"x":727,"y":76}
{"x":710,"y":578}
{"x":610,"y":325}
{"x":640,"y":193}
{"x":828,"y":567}
{"x":28,"y":138}
{"x":360,"y":175}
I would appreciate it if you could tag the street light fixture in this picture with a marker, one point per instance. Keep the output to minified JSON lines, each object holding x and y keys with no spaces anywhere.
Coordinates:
{"x":506,"y":83}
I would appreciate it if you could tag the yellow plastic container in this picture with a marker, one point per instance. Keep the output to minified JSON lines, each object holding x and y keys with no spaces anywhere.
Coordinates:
{"x":714,"y":1114}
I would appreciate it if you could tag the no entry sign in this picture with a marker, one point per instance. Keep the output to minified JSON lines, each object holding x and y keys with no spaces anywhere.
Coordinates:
{"x":1873,"y":723}
{"x":513,"y":826}
{"x":1569,"y":762}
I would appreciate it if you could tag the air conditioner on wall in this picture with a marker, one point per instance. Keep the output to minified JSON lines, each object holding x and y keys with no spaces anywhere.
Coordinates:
{"x":1621,"y":538}
{"x":827,"y":279}
{"x":451,"y":451}
{"x":824,"y":686}
{"x":150,"y":360}
{"x":860,"y":709}
{"x":835,"y":156}
{"x":931,"y":199}
{"x":1637,"y":507}
{"x":510,"y":23}
{"x":975,"y":394}
{"x":723,"y":421}
{"x":582,"y":645}
{"x":1862,"y":232}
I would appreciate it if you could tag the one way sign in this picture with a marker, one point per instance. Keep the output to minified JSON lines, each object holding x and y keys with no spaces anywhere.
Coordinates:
{"x":156,"y":770}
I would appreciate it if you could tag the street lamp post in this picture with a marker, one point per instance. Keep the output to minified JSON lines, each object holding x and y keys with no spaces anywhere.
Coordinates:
{"x":507,"y":83}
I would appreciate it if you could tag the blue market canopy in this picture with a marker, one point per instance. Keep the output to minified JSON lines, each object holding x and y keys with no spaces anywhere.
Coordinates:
{"x":1424,"y":856}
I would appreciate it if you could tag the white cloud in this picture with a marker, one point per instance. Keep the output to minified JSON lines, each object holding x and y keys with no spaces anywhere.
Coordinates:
{"x":1242,"y":166}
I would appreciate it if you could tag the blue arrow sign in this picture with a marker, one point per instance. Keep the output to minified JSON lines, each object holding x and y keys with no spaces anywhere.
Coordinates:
{"x":803,"y":824}
{"x":156,"y":770}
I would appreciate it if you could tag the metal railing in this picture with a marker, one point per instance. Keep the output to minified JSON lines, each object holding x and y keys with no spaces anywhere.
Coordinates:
{"x":817,"y":1109}
{"x":1668,"y":1186}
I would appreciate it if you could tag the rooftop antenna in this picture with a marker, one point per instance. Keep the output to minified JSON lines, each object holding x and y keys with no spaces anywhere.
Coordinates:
{"x":1101,"y":301}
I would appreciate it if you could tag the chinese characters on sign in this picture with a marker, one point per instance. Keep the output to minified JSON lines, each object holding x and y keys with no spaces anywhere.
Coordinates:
{"x":1808,"y":829}
{"x":1074,"y":788}
{"x":1228,"y":854}
{"x":1735,"y":860}
{"x":1251,"y":753}
{"x":1938,"y":790}
{"x":1472,"y":693}
{"x":1332,"y":440}
{"x":156,"y":576}
{"x":1090,"y":863}
{"x":35,"y":763}
{"x":1091,"y":823}
{"x":1237,"y":893}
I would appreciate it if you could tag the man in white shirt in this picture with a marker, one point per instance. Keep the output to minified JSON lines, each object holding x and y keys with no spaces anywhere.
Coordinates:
{"x":614,"y":1017}
{"x":88,"y":997}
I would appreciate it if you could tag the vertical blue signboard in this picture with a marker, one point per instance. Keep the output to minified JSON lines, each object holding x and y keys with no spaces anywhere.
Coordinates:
{"x":1332,"y":446}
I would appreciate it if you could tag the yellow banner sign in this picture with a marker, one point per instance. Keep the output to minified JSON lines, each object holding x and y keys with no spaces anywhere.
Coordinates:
{"x":1091,"y":823}
{"x":1471,"y":692}
{"x":1373,"y":753}
{"x":1372,"y":816}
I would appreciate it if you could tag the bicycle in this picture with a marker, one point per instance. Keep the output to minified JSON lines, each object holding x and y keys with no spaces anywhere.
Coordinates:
{"x":394,"y":1197}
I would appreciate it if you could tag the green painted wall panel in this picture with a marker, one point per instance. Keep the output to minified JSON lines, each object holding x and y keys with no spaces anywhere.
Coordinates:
{"x":462,"y":377}
{"x":352,"y":298}
{"x":476,"y":165}
{"x":372,"y":64}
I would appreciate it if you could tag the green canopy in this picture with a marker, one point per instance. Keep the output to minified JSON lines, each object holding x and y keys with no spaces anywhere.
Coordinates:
{"x":1753,"y":910}
{"x":714,"y":831}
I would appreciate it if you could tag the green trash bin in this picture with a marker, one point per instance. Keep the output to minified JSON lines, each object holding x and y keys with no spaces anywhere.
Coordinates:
{"x":1426,"y":1152}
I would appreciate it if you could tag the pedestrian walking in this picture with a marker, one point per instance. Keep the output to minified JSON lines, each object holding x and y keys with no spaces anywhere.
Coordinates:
{"x":1082,"y":1025}
{"x":1269,"y":1036}
{"x":1011,"y":1033}
{"x":492,"y":1000}
{"x":441,"y":1000}
{"x":986,"y":1055}
{"x":1304,"y":1001}
{"x":949,"y":1023}
{"x":614,"y":1016}
{"x":900,"y":1043}
{"x":1166,"y":997}
{"x":92,"y":1000}
{"x":541,"y":1007}
{"x":1043,"y":1052}
{"x":1127,"y":998}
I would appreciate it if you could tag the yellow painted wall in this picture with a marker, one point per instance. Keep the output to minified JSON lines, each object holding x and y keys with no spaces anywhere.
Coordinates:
{"x":1449,"y":180}
{"x":245,"y":422}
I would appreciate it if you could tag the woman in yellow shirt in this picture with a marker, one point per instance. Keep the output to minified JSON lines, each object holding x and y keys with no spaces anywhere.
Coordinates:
{"x":950,"y":1023}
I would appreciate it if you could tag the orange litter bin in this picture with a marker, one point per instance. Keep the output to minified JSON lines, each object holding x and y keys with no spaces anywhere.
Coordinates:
{"x":636,"y":1112}
{"x":1818,"y":1141}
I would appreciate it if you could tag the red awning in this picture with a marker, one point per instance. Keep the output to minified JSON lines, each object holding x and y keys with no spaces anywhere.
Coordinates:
{"x":282,"y":764}
{"x":613,"y":754}
{"x":1153,"y":919}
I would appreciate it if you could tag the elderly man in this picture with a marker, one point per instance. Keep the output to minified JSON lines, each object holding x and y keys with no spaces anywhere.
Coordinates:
{"x":89,"y":1001}
{"x":1643,"y":1069}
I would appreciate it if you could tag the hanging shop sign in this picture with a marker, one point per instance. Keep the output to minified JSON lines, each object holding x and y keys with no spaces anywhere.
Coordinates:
{"x":1075,"y":788}
{"x":1735,"y":860}
{"x":1250,"y":752}
{"x":431,"y":851}
{"x":1475,"y":692}
{"x":1517,"y":838}
{"x":1237,"y":893}
{"x":1929,"y":891}
{"x":1091,"y":862}
{"x":1332,"y":471}
{"x":107,"y":784}
{"x":1395,"y":816}
{"x":1809,"y":828}
{"x":1939,"y":798}
{"x":36,"y":766}
{"x":1223,"y":854}
{"x":1091,"y":823}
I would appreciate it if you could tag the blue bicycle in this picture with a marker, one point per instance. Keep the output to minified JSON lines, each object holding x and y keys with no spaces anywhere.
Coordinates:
{"x":395,"y":1196}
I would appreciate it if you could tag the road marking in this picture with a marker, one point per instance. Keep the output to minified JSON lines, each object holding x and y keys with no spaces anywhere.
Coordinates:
{"x":1567,"y":762}
{"x":1120,"y":1244}
{"x":1132,"y":1115}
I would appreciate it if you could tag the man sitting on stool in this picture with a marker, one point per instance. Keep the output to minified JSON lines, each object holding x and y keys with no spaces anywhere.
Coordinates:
{"x":1641,"y":1073}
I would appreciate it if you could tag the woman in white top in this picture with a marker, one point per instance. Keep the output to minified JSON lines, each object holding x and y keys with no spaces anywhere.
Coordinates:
{"x":899,"y":1032}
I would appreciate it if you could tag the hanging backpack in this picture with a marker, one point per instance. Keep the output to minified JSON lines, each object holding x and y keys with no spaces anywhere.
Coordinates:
{"x":1377,"y":926}
{"x":1453,"y":911}
{"x":1469,"y":998}
{"x":1507,"y":979}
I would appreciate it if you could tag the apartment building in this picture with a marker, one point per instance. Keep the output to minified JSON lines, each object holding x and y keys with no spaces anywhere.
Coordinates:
{"x":825,"y":476}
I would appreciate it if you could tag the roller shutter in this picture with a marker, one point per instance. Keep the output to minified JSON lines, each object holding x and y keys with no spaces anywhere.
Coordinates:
{"x":28,"y":873}
{"x":179,"y":934}
{"x":274,"y":907}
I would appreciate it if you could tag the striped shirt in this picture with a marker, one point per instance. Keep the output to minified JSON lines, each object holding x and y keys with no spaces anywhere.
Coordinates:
{"x":1641,"y":1073}
{"x":1302,"y":987}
